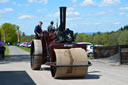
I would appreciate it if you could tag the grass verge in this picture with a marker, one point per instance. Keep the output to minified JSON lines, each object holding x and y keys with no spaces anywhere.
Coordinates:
{"x":90,"y":57}
{"x":6,"y":51}
{"x":24,"y":48}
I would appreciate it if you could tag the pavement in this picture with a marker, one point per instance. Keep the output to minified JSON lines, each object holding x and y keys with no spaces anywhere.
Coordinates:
{"x":16,"y":70}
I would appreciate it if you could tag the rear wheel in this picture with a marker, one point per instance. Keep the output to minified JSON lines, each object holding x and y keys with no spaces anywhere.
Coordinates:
{"x":90,"y":55}
{"x":36,"y":54}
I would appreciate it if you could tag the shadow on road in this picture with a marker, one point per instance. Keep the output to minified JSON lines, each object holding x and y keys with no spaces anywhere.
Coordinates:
{"x":92,"y":76}
{"x":89,"y":75}
{"x":15,"y":58}
{"x":15,"y":78}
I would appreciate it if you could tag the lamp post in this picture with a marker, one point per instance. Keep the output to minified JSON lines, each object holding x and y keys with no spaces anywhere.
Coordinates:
{"x":4,"y":35}
{"x":18,"y":34}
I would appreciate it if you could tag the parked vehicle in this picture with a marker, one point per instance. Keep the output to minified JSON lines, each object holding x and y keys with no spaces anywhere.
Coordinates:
{"x":24,"y":44}
{"x":21,"y":44}
{"x":89,"y":50}
{"x":29,"y":45}
{"x":2,"y":49}
{"x":18,"y":44}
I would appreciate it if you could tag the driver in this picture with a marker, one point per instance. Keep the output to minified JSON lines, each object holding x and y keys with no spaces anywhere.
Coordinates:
{"x":38,"y":30}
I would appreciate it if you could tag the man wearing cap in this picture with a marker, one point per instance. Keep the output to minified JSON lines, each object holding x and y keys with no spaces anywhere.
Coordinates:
{"x":38,"y":30}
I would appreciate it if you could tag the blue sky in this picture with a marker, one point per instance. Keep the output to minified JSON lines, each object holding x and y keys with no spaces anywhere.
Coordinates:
{"x":82,"y":15}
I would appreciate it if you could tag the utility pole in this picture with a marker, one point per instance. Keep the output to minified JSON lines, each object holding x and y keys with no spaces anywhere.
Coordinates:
{"x":0,"y":35}
{"x":18,"y":34}
{"x":57,"y":23}
{"x":4,"y":35}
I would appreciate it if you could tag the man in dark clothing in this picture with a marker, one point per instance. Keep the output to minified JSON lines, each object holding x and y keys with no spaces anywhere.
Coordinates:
{"x":51,"y":28}
{"x":38,"y":30}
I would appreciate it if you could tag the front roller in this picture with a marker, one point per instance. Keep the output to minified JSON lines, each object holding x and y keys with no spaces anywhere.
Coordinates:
{"x":36,"y":54}
{"x":70,"y":63}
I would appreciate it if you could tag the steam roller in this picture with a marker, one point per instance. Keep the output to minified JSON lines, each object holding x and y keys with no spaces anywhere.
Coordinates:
{"x":56,"y":49}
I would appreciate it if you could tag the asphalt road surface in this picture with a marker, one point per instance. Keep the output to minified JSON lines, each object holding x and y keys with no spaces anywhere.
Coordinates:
{"x":15,"y":70}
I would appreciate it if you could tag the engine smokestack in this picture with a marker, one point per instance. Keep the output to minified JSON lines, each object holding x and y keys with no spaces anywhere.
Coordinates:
{"x":62,"y":18}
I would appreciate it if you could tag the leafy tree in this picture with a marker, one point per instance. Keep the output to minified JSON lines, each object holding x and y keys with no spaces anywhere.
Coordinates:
{"x":123,"y":38}
{"x":27,"y":38}
{"x":23,"y":34}
{"x":11,"y":32}
{"x":112,"y":38}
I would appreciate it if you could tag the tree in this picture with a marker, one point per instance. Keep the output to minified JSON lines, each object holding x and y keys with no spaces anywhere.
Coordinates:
{"x":23,"y":34}
{"x":11,"y":32}
{"x":123,"y":38}
{"x":27,"y":38}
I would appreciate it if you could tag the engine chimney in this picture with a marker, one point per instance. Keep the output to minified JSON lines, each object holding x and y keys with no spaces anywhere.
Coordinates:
{"x":62,"y":19}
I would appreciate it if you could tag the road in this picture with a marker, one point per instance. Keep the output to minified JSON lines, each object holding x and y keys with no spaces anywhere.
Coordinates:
{"x":15,"y":70}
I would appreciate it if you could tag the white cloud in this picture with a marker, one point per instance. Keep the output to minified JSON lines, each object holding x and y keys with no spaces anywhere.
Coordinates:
{"x":100,"y":13}
{"x":74,"y":1}
{"x":5,"y":10}
{"x":73,"y":13}
{"x":4,"y":1}
{"x":102,"y":3}
{"x":87,"y":2}
{"x":122,"y":14}
{"x":38,"y":1}
{"x":124,"y":8}
{"x":97,"y":23}
{"x":109,"y":2}
{"x":24,"y":5}
{"x":70,"y":9}
{"x":26,"y":17}
{"x":73,"y":18}
{"x":41,"y":10}
{"x":70,"y":12}
{"x":116,"y":23}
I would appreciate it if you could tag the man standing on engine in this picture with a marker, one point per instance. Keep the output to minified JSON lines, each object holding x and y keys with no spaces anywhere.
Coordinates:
{"x":38,"y":30}
{"x":51,"y":28}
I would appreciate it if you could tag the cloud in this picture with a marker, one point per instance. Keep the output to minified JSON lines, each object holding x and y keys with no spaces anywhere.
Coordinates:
{"x":70,"y":12}
{"x":74,"y":1}
{"x":122,"y":14}
{"x":101,"y":13}
{"x":109,"y":2}
{"x":116,"y":23}
{"x":99,"y":4}
{"x":98,"y":23}
{"x":73,"y":18}
{"x":87,"y":2}
{"x":4,"y":1}
{"x":70,"y":9}
{"x":5,"y":10}
{"x":24,"y":5}
{"x":27,"y":17}
{"x":38,"y":1}
{"x":98,"y":13}
{"x":123,"y":8}
{"x":73,"y":13}
{"x":41,"y":10}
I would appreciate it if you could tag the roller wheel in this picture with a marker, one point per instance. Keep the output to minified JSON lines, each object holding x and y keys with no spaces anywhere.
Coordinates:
{"x":72,"y":56}
{"x":36,"y":55}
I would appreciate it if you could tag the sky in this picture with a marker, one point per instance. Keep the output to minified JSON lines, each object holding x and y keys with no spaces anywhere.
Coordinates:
{"x":82,"y":15}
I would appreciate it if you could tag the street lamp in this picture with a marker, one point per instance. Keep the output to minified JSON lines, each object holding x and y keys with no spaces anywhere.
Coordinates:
{"x":18,"y":33}
{"x":4,"y":35}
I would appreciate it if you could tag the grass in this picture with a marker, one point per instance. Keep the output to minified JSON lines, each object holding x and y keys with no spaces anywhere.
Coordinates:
{"x":90,"y":57}
{"x":24,"y":48}
{"x":6,"y":51}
